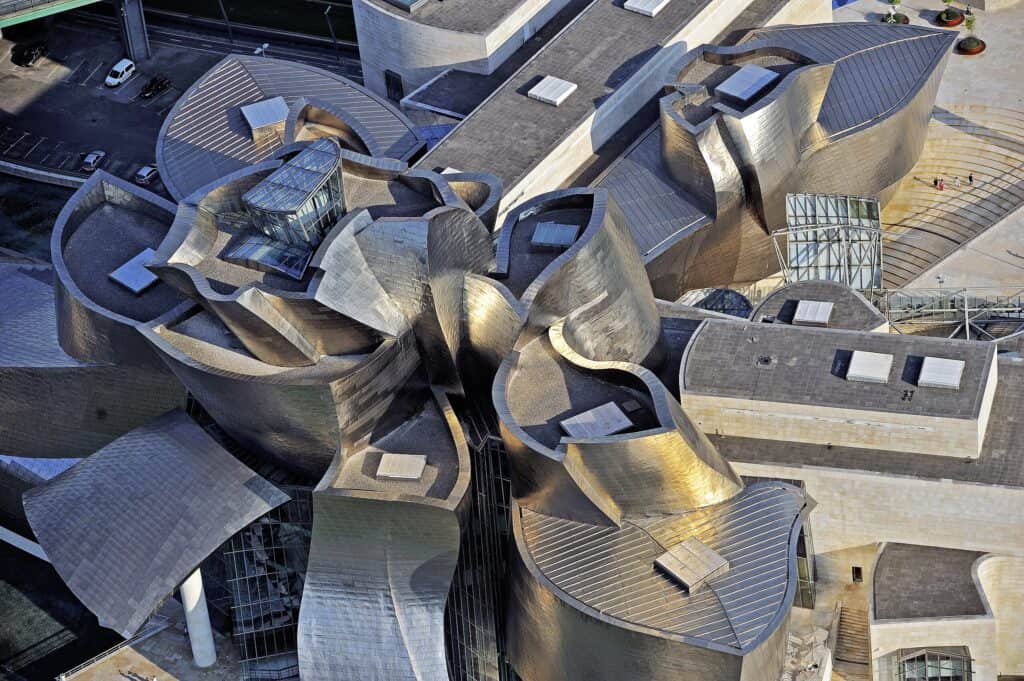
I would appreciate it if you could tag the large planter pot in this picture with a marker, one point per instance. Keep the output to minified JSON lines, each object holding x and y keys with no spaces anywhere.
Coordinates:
{"x":976,"y":46}
{"x":899,"y":18}
{"x":955,"y":20}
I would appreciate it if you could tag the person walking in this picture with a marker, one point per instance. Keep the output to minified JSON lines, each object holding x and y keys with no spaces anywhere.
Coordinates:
{"x":942,"y":185}
{"x":970,"y":179}
{"x":956,"y":182}
{"x":935,"y":182}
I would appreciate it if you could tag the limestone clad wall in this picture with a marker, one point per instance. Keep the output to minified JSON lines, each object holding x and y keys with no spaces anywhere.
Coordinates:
{"x":977,"y":633}
{"x":1002,"y":580}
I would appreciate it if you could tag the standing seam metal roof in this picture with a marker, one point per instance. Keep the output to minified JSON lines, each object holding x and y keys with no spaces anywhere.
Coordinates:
{"x":205,"y":136}
{"x":611,"y":569}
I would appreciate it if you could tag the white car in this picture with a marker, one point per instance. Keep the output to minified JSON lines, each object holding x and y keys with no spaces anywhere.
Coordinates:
{"x":146,"y":174}
{"x":93,"y":160}
{"x":120,"y":73}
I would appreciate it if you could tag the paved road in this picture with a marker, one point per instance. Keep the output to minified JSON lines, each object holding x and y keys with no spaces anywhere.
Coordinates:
{"x":198,"y":39}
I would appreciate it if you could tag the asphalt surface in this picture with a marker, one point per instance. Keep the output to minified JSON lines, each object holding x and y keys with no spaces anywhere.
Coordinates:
{"x":55,"y":112}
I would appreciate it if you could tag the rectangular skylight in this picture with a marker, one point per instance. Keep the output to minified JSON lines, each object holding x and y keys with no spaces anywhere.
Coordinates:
{"x":554,"y":235}
{"x":747,"y":83}
{"x":812,"y":313}
{"x":869,"y":367}
{"x":691,"y":563}
{"x":941,"y":373}
{"x":401,"y":466}
{"x":606,"y":419}
{"x":133,"y":275}
{"x":649,"y":8}
{"x":551,"y":90}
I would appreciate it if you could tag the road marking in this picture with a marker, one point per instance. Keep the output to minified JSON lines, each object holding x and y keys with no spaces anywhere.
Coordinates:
{"x":71,"y":76}
{"x":98,"y":67}
{"x":15,"y":143}
{"x":38,"y":142}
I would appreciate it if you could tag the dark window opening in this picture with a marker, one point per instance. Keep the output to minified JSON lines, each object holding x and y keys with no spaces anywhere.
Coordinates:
{"x":394,"y":86}
{"x":858,"y":574}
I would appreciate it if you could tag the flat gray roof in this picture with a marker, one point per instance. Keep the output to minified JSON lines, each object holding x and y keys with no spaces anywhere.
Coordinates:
{"x":850,"y":310}
{"x":803,"y":365}
{"x":913,"y":581}
{"x":463,"y":16}
{"x":1001,"y":461}
{"x":602,"y":48}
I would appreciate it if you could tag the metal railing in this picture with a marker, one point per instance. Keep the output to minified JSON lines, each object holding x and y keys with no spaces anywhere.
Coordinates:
{"x":154,"y":625}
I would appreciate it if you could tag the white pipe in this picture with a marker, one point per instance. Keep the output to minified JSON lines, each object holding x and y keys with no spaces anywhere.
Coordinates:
{"x":200,"y":635}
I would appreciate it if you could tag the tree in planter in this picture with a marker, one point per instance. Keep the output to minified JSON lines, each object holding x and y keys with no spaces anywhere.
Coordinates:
{"x":894,"y":16}
{"x":972,"y":44}
{"x":950,"y":13}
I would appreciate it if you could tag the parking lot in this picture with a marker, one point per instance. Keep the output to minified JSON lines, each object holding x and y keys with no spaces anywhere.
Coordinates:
{"x":54,"y":112}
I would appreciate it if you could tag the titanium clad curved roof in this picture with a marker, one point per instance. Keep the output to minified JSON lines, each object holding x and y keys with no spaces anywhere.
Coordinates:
{"x":28,"y":325}
{"x":865,"y":56}
{"x":206,"y":137}
{"x":128,"y":524}
{"x":610,"y":572}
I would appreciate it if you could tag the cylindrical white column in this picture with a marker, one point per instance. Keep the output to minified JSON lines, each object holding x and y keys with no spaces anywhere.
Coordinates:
{"x":200,"y":635}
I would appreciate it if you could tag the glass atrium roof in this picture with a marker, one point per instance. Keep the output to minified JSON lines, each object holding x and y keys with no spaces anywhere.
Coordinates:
{"x":288,"y":187}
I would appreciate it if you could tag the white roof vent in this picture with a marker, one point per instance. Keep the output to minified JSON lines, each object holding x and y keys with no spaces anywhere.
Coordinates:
{"x":747,"y":83}
{"x":551,"y":90}
{"x":554,"y":235}
{"x":266,"y":118}
{"x":812,"y":313}
{"x":869,"y":367}
{"x":649,"y":8}
{"x":401,"y":466}
{"x":133,"y":275}
{"x":691,"y":563}
{"x":941,"y":373}
{"x":606,"y":419}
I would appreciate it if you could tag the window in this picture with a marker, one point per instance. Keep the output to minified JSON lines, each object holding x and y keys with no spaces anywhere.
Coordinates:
{"x":942,"y":664}
{"x":393,"y":84}
{"x":858,"y":574}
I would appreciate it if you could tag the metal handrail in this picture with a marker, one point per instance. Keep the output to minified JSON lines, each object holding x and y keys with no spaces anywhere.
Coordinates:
{"x":833,"y":630}
{"x":155,"y":625}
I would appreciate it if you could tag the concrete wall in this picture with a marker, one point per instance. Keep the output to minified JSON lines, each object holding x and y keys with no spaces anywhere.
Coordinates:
{"x":563,"y":160}
{"x":829,"y":425}
{"x":1002,"y":580}
{"x":418,"y":52}
{"x":856,"y":508}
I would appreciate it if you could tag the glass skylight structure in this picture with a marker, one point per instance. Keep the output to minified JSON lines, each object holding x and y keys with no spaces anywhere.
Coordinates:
{"x":300,"y":201}
{"x":833,"y":238}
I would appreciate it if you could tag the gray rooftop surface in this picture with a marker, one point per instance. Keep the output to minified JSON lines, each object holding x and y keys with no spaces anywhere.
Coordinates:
{"x":463,"y":16}
{"x":925,"y":581}
{"x":851,"y":310}
{"x":205,"y":136}
{"x":599,"y":51}
{"x":28,"y":325}
{"x":1001,"y":461}
{"x":808,"y":366}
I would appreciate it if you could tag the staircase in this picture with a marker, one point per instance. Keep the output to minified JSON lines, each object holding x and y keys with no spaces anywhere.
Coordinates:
{"x":922,"y":225}
{"x":852,"y":656}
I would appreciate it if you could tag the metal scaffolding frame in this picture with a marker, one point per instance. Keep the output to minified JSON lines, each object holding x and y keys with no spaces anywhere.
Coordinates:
{"x":831,"y":237}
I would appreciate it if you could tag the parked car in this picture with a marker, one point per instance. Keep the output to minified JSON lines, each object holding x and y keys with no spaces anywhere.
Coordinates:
{"x":120,"y":73}
{"x":157,"y":84}
{"x":146,"y":174}
{"x":27,"y":54}
{"x":93,"y":160}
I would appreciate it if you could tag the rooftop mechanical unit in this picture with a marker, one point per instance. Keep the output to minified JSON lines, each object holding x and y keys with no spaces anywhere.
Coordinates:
{"x":869,"y":367}
{"x":401,"y":466}
{"x":747,"y":84}
{"x":606,"y":419}
{"x":266,"y":118}
{"x":941,"y":373}
{"x":812,"y":313}
{"x":133,"y":275}
{"x":551,"y":90}
{"x":554,"y":236}
{"x":692,"y":563}
{"x":649,"y":8}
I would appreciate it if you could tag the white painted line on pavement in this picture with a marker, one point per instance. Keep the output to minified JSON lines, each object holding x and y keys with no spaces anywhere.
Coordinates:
{"x":15,"y":143}
{"x":98,"y":67}
{"x":29,"y":152}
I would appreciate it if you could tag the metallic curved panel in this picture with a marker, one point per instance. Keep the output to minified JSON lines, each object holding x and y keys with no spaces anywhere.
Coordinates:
{"x":312,"y":118}
{"x":127,"y":525}
{"x":298,"y":416}
{"x":481,"y":191}
{"x":383,"y":556}
{"x":589,"y":603}
{"x":52,"y":404}
{"x":491,"y":321}
{"x":107,"y":222}
{"x":205,"y":136}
